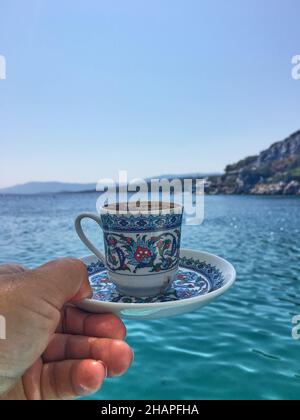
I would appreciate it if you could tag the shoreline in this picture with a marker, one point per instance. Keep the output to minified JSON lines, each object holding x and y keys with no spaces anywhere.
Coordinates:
{"x":62,"y":193}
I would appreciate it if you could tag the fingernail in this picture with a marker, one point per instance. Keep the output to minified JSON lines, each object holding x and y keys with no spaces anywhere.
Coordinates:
{"x":104,"y":365}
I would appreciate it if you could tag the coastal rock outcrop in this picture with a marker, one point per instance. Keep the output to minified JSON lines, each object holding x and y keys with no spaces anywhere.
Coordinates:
{"x":274,"y":171}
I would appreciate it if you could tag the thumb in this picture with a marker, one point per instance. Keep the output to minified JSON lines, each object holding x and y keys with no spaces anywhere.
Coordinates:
{"x":61,"y":281}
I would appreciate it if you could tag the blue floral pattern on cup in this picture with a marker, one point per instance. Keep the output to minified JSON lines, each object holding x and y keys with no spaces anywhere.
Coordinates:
{"x":119,"y":223}
{"x":155,"y":252}
{"x":141,"y":248}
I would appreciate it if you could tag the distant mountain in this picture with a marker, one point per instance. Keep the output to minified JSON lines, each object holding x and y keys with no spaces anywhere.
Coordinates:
{"x":274,"y":171}
{"x":47,"y":188}
{"x":61,"y":187}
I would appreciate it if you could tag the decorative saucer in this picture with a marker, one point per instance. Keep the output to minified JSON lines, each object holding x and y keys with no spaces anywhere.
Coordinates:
{"x":201,"y":278}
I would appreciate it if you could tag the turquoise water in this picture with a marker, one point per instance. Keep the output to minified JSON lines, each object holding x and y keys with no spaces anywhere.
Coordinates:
{"x":239,"y":347}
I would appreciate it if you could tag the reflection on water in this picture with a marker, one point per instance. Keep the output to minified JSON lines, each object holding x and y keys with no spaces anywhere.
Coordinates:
{"x":239,"y":347}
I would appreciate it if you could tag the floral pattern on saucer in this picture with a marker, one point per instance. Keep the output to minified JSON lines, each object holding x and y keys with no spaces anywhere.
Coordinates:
{"x":194,"y":278}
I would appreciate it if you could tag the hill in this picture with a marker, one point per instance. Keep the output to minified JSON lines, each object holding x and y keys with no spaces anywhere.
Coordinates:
{"x":47,"y":188}
{"x":274,"y":171}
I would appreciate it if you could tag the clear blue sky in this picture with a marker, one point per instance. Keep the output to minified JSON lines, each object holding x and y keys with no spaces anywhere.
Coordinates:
{"x":148,"y":86}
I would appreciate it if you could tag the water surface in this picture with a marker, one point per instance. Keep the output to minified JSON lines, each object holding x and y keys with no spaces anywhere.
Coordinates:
{"x":239,"y":347}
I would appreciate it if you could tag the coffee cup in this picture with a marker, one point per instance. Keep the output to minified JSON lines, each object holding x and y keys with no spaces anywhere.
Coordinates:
{"x":142,"y":245}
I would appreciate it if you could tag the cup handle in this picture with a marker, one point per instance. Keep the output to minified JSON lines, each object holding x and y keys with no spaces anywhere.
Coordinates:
{"x":83,"y":237}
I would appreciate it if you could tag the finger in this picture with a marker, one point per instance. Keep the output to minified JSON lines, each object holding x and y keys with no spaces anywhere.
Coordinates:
{"x":61,"y":281}
{"x":71,"y":379}
{"x":75,"y":321}
{"x":115,"y":354}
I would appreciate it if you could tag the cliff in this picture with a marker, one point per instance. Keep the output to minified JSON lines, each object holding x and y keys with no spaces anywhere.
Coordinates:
{"x":274,"y":171}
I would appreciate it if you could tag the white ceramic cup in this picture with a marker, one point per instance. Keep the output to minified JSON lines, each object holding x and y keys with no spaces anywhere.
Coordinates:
{"x":141,"y":246}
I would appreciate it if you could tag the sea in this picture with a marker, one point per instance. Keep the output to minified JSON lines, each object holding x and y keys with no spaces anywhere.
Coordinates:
{"x":239,"y":347}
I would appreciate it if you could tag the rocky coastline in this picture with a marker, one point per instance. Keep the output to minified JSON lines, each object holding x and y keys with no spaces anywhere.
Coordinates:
{"x":275,"y":171}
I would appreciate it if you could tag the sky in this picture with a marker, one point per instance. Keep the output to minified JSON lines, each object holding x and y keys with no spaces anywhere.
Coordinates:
{"x":152,"y":87}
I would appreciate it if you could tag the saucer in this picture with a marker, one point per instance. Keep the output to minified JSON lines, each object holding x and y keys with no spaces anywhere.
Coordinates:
{"x":201,"y":278}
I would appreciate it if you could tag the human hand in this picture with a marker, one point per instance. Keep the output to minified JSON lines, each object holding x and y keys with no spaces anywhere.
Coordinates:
{"x":54,"y":350}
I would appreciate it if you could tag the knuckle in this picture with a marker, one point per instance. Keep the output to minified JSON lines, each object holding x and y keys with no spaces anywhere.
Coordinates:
{"x":117,"y":325}
{"x":79,"y":265}
{"x":72,"y":262}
